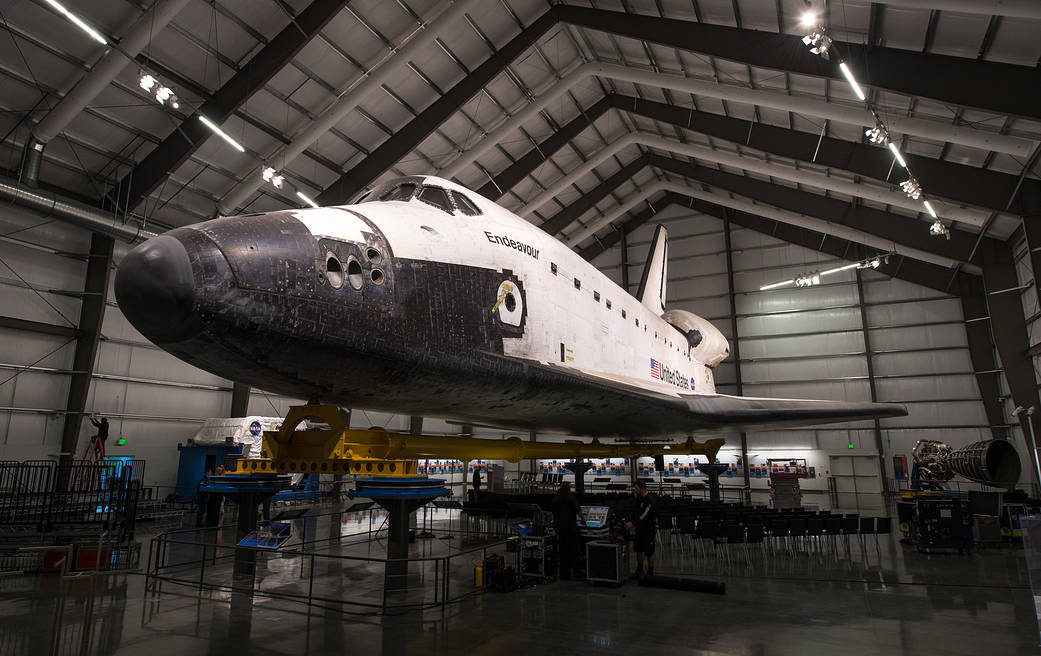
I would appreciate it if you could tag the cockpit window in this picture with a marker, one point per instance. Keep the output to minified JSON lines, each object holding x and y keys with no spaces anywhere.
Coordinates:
{"x":437,"y":197}
{"x":464,"y":204}
{"x":399,"y":192}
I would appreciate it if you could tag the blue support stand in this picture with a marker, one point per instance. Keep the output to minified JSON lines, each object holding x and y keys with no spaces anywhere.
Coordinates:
{"x":248,"y":491}
{"x":400,"y":497}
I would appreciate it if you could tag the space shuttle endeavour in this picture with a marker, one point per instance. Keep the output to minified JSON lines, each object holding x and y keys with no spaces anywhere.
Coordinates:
{"x":424,"y":298}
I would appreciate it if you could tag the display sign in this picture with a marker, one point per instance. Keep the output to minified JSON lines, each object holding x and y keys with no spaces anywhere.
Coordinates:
{"x":899,"y":467}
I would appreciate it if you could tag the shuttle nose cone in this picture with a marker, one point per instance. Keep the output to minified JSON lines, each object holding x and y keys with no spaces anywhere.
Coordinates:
{"x":155,"y":290}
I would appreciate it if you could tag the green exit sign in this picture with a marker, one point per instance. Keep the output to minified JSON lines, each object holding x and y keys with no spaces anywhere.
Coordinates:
{"x":121,"y":441}
{"x":850,"y":446}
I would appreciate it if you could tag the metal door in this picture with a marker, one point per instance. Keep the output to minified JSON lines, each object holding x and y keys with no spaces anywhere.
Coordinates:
{"x":855,"y":484}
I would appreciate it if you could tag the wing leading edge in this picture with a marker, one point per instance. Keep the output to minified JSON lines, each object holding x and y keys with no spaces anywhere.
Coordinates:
{"x":738,"y":413}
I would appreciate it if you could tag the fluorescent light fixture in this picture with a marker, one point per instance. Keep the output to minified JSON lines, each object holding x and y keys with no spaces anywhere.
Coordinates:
{"x":897,"y":155}
{"x":78,"y":21}
{"x":147,"y":81}
{"x":809,"y":19}
{"x":776,"y":284}
{"x":307,"y":200}
{"x":810,"y":279}
{"x":842,"y":268}
{"x":929,"y":207}
{"x":852,"y":82}
{"x":221,"y":133}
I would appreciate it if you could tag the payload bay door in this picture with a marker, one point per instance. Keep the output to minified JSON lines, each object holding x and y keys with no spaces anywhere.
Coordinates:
{"x":855,"y":484}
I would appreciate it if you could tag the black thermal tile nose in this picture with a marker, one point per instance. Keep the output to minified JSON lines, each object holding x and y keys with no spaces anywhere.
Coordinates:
{"x":155,"y":290}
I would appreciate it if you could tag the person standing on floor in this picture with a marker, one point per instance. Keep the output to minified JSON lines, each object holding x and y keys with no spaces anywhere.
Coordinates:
{"x":645,"y":525}
{"x":201,"y":499}
{"x":567,"y":515}
{"x":476,"y":481}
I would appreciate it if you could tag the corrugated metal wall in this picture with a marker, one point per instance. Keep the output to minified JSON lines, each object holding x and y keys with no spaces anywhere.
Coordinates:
{"x":810,"y":343}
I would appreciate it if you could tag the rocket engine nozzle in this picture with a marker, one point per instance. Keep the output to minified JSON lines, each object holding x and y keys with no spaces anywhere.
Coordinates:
{"x":990,"y":462}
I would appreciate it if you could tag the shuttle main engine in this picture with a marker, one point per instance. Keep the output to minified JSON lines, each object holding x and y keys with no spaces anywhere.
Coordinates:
{"x":990,"y":462}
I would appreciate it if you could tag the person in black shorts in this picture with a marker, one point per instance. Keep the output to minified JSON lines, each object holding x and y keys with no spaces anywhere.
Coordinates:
{"x":645,"y":525}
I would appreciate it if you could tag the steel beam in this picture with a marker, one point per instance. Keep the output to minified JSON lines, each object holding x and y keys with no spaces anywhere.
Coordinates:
{"x":869,"y":359}
{"x":735,"y":342}
{"x":959,"y":182}
{"x":981,"y":352}
{"x":92,"y":313}
{"x":409,"y":136}
{"x":1030,"y":203}
{"x":875,"y":223}
{"x":927,"y":275}
{"x":26,"y":325}
{"x":179,"y":145}
{"x":573,"y":211}
{"x":513,"y":174}
{"x":991,"y":86}
{"x":1010,"y":334}
{"x":623,"y":239}
{"x":904,"y":230}
{"x":239,"y":400}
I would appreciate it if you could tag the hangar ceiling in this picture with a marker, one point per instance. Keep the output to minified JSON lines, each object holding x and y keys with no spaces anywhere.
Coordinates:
{"x":585,"y":118}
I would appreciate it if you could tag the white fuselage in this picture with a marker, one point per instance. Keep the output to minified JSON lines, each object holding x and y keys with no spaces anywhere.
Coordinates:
{"x":576,"y":316}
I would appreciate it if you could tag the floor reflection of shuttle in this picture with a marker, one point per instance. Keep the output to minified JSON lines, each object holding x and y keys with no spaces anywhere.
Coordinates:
{"x":424,"y":298}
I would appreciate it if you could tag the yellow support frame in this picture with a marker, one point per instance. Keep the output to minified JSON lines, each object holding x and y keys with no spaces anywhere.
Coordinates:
{"x":377,"y":452}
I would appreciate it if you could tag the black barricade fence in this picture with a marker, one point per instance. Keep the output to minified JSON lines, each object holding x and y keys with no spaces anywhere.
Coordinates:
{"x":80,"y":499}
{"x":316,"y":569}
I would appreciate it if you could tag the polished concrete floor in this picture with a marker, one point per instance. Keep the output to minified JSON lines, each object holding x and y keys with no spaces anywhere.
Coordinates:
{"x":848,"y":598}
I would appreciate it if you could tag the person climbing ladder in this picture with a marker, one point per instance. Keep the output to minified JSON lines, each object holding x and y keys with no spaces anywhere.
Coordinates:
{"x":97,"y":443}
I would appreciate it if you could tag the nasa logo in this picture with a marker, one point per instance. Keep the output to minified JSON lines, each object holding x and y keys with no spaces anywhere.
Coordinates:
{"x":255,"y":428}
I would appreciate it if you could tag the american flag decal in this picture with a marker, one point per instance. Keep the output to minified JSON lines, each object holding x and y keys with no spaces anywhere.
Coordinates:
{"x":655,"y":369}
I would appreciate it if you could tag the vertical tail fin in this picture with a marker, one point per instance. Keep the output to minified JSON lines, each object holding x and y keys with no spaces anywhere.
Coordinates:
{"x":655,"y":273}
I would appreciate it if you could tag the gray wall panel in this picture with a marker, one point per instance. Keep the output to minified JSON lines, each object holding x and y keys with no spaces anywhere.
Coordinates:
{"x":809,"y":345}
{"x":801,"y":369}
{"x":917,"y":337}
{"x":888,"y":364}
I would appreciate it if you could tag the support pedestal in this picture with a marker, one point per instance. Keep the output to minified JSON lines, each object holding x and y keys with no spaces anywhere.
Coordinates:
{"x":400,"y":497}
{"x":579,"y":469}
{"x":248,"y":491}
{"x":713,"y":470}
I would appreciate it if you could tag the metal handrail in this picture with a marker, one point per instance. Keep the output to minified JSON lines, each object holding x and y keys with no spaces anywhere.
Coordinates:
{"x":442,"y":567}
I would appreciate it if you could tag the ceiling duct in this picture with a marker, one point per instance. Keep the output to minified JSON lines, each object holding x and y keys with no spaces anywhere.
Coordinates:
{"x":49,"y":204}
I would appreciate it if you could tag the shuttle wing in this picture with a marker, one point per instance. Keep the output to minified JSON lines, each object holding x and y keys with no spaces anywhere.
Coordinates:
{"x":654,"y":410}
{"x":741,"y":413}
